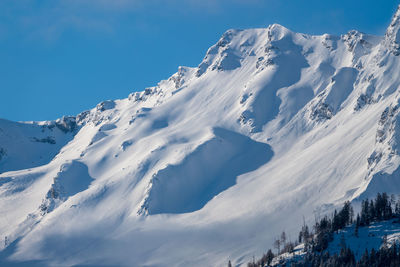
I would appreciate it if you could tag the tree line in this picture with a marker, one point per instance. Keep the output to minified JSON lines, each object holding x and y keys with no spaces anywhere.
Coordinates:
{"x":316,"y":240}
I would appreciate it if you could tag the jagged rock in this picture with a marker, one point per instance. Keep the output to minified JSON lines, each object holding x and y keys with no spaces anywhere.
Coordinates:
{"x":362,"y":100}
{"x":126,"y":144}
{"x":355,"y":40}
{"x":105,"y":105}
{"x":263,"y":63}
{"x":228,"y":61}
{"x":48,"y":139}
{"x":269,"y":49}
{"x":374,"y":158}
{"x":221,"y":56}
{"x":329,"y":42}
{"x":52,"y":200}
{"x":244,"y":98}
{"x":136,"y":96}
{"x":322,"y":112}
{"x":392,"y":35}
{"x":66,"y":124}
{"x":72,"y":178}
{"x":387,"y":122}
{"x":81,"y":117}
{"x":177,"y":78}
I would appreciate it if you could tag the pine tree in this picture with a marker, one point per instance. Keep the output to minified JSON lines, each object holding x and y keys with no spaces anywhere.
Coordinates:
{"x":283,"y":238}
{"x":342,"y":241}
{"x":392,"y":201}
{"x":372,"y":211}
{"x":351,"y":214}
{"x":357,"y":226}
{"x":335,"y":221}
{"x":382,"y":207}
{"x":397,"y":208}
{"x":345,"y":214}
{"x":277,"y":245}
{"x":269,"y":256}
{"x":365,"y":212}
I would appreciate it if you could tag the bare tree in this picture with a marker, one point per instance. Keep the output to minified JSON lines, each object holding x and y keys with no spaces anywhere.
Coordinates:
{"x":283,"y":238}
{"x":277,"y":245}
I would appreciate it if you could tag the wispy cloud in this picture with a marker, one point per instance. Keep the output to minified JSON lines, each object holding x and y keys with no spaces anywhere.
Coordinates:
{"x":48,"y":19}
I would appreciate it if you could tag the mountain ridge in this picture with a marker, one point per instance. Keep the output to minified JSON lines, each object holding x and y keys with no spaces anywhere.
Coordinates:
{"x":270,"y":127}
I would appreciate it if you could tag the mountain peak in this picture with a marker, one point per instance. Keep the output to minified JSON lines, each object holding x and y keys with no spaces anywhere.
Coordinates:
{"x":273,"y":126}
{"x":277,"y":31}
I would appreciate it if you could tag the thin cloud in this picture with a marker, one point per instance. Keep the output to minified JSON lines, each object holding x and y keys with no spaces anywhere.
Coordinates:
{"x":48,"y":19}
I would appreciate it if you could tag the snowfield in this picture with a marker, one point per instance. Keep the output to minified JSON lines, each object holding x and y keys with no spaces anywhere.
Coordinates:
{"x":211,"y":164}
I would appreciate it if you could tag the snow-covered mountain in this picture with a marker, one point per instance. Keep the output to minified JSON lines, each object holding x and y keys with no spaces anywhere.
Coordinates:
{"x":209,"y":165}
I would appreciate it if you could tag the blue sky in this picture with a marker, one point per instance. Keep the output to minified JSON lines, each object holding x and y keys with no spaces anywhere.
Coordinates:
{"x":60,"y":57}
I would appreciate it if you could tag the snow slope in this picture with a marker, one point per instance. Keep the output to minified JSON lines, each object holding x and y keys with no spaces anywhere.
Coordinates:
{"x":213,"y":163}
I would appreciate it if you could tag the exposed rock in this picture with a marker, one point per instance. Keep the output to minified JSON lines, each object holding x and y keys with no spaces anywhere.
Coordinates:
{"x":66,"y":124}
{"x":392,"y":35}
{"x":322,"y":112}
{"x":105,"y":105}
{"x":49,"y":139}
{"x":362,"y":100}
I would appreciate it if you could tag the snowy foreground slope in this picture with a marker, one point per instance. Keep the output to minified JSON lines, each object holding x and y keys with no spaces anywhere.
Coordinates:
{"x":209,"y":165}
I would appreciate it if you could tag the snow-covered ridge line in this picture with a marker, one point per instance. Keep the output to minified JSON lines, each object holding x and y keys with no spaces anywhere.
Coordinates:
{"x":271,"y":126}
